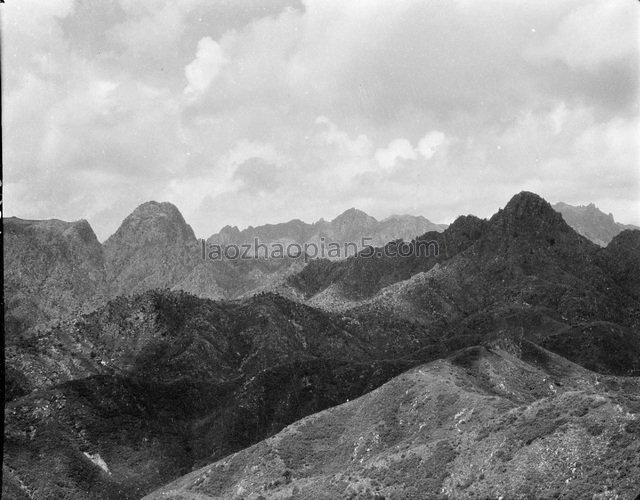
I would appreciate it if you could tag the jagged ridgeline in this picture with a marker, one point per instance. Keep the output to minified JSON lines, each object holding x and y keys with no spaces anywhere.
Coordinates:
{"x":505,"y":364}
{"x":56,"y":269}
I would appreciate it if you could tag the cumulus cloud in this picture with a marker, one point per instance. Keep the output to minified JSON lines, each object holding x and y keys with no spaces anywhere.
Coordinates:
{"x":205,"y":67}
{"x":367,"y":103}
{"x":359,"y":146}
{"x":401,"y":149}
{"x":398,"y":149}
{"x":430,"y":143}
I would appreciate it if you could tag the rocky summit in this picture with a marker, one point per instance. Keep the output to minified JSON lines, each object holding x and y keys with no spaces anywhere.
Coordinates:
{"x":153,"y":247}
{"x":504,"y":362}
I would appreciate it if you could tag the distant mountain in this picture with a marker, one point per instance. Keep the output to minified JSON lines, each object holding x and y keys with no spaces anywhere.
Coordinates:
{"x":51,"y":268}
{"x":484,"y":423}
{"x":349,"y":227}
{"x":592,"y":223}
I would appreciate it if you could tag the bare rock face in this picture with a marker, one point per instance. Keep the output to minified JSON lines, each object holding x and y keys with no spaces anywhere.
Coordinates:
{"x":153,"y":248}
{"x":591,"y":222}
{"x":51,"y":268}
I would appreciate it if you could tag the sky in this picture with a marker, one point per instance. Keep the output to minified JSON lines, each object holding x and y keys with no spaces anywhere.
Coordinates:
{"x":246,"y":112}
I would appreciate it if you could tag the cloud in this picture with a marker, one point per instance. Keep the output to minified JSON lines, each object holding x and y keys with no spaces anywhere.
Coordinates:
{"x":151,"y":28}
{"x":205,"y":67}
{"x":430,"y":143}
{"x":401,"y":149}
{"x":359,"y":147}
{"x":398,"y":149}
{"x":592,"y":35}
{"x":258,"y":176}
{"x":366,"y":103}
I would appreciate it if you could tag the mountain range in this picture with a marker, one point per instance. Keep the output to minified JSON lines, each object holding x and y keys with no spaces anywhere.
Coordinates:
{"x":504,"y":364}
{"x":55,"y":269}
{"x":350,"y":226}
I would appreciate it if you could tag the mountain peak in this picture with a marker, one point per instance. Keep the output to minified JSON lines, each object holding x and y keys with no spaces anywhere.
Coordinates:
{"x":527,"y":200}
{"x":152,"y":248}
{"x":155,"y":208}
{"x":526,"y":222}
{"x":528,"y":211}
{"x":353,"y":214}
{"x":159,"y":221}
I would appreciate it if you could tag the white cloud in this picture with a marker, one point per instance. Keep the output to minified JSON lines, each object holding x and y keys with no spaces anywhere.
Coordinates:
{"x":398,"y":149}
{"x":430,"y":143}
{"x":510,"y":94}
{"x":401,"y":149}
{"x":205,"y":67}
{"x":361,"y":146}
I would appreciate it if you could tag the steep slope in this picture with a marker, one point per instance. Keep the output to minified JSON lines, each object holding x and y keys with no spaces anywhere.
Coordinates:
{"x":622,"y":259}
{"x":113,"y":437}
{"x":529,"y":255}
{"x":349,"y":227}
{"x":122,"y":399}
{"x":162,"y":336}
{"x":526,"y":233}
{"x":523,"y":268}
{"x":525,"y":254}
{"x":235,"y":278}
{"x":371,"y":270}
{"x":153,"y":248}
{"x":51,"y":268}
{"x":591,"y":222}
{"x":485,"y":423}
{"x":54,"y":269}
